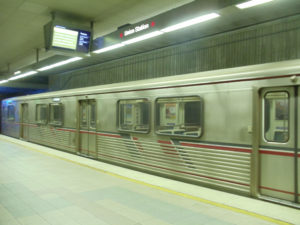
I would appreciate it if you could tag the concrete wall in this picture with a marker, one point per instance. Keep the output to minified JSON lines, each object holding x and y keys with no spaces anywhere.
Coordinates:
{"x":269,"y":42}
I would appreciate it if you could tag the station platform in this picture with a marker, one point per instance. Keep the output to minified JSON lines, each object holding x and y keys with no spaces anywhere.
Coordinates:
{"x":44,"y":186}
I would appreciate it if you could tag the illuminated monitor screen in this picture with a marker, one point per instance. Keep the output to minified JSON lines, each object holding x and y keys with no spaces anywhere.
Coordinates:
{"x":64,"y":38}
{"x":71,"y":39}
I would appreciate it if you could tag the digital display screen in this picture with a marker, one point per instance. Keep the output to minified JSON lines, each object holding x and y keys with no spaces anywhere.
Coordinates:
{"x":84,"y":39}
{"x":71,"y":39}
{"x":64,"y":38}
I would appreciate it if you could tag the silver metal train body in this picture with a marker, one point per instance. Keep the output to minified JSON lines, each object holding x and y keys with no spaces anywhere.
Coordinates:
{"x":233,"y":129}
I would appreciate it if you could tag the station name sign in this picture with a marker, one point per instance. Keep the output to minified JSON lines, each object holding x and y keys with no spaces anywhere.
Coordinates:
{"x":138,"y":28}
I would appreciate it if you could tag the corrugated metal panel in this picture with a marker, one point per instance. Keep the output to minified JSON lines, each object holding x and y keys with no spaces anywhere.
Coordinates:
{"x":209,"y":166}
{"x":273,"y":41}
{"x":52,"y":137}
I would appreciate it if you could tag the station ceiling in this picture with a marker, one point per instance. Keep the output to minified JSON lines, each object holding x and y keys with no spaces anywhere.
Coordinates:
{"x":22,"y":21}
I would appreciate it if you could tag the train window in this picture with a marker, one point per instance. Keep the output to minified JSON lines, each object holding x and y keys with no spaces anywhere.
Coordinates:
{"x":93,"y":114}
{"x":276,"y":116}
{"x":180,"y":116}
{"x":56,"y":114}
{"x":134,"y":115}
{"x":83,"y":113}
{"x":11,"y":112}
{"x":41,"y":113}
{"x":3,"y":112}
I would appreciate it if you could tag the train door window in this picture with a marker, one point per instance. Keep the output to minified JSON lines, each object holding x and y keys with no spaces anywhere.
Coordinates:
{"x":25,"y":113}
{"x":56,"y":114}
{"x":11,"y":112}
{"x":134,"y":115}
{"x":83,"y":113}
{"x":41,"y":113}
{"x":93,"y":114}
{"x":180,"y":116}
{"x":276,"y":116}
{"x":3,"y":115}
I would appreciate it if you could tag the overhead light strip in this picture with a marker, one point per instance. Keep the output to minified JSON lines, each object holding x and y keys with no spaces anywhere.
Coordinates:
{"x":60,"y":64}
{"x":252,"y":3}
{"x":109,"y":48}
{"x":3,"y":81}
{"x":23,"y":75}
{"x":42,"y":69}
{"x":143,"y":37}
{"x":190,"y":22}
{"x":178,"y":26}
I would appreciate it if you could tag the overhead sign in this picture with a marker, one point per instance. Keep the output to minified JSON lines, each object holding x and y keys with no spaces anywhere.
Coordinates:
{"x":137,"y":29}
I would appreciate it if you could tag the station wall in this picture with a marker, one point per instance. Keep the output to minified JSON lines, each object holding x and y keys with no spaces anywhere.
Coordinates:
{"x":268,"y":42}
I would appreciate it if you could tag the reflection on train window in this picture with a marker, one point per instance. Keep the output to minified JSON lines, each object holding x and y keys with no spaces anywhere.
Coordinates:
{"x":179,"y":116}
{"x":56,"y":114}
{"x":83,"y":113}
{"x":93,"y":114}
{"x":11,"y":112}
{"x":134,"y":115}
{"x":24,"y":112}
{"x":3,"y":112}
{"x":276,"y":118}
{"x":41,"y":113}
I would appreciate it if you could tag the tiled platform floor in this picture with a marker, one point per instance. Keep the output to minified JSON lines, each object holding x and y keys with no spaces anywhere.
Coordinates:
{"x":41,"y":186}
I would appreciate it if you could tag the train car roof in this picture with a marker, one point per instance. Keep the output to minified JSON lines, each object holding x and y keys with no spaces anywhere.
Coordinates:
{"x":291,"y":67}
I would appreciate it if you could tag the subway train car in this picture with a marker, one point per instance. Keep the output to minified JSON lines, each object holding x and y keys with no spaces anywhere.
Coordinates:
{"x":232,"y":129}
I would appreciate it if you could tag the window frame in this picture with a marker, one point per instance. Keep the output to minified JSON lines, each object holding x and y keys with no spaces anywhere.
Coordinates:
{"x":145,"y":100}
{"x":55,"y":123}
{"x":264,"y":117}
{"x":8,"y":113}
{"x":47,"y":114}
{"x":156,"y":110}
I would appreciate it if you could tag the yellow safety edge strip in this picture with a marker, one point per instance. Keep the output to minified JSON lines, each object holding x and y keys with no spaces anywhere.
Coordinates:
{"x":220,"y":205}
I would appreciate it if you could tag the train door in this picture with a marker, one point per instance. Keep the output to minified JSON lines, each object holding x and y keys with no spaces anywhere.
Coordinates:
{"x":278,"y":150}
{"x":24,"y":121}
{"x":87,"y":132}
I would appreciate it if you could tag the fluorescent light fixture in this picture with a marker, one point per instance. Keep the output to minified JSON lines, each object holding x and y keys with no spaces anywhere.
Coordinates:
{"x":109,"y":48}
{"x":3,"y":81}
{"x":59,"y":64}
{"x":143,"y":37}
{"x":23,"y":75}
{"x":252,"y":3}
{"x":56,"y":99}
{"x":191,"y":22}
{"x":17,"y":72}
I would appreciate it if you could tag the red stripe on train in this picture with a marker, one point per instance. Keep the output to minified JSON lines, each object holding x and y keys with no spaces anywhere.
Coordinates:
{"x":100,"y":134}
{"x":216,"y":147}
{"x":62,"y":129}
{"x":138,"y":144}
{"x":277,"y":190}
{"x":267,"y":152}
{"x":168,"y":148}
{"x":109,"y":135}
{"x":164,"y":142}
